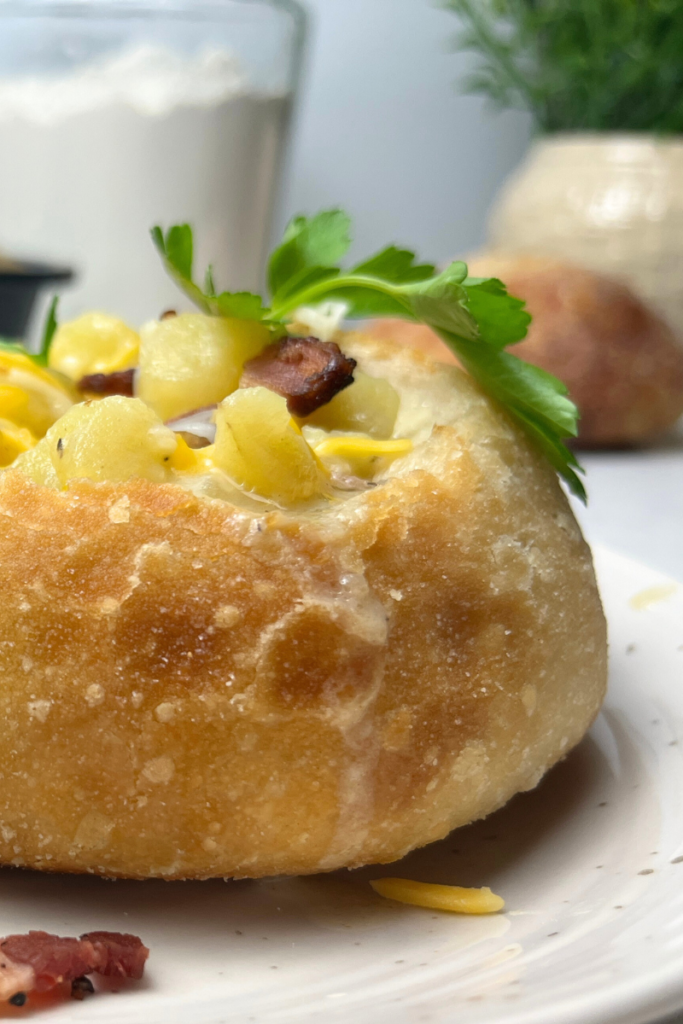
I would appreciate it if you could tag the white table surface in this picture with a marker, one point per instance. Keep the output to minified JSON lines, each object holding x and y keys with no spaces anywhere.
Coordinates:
{"x":635,"y":502}
{"x":635,"y":506}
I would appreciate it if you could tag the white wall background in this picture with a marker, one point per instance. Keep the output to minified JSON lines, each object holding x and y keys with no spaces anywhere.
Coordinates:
{"x":383,"y":131}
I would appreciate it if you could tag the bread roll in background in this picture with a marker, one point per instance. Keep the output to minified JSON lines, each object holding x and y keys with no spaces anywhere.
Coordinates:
{"x":622,"y":363}
{"x":194,"y":689}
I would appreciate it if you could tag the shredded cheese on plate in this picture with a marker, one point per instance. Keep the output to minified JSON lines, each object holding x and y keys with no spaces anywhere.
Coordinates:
{"x":452,"y":898}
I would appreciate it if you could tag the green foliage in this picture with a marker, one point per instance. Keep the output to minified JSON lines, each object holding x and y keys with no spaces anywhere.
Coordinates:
{"x":579,"y":65}
{"x":176,"y":248}
{"x":475,"y":317}
{"x":49,"y":331}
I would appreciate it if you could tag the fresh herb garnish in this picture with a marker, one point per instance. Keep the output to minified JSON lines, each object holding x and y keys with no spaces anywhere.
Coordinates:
{"x":475,"y":317}
{"x":593,"y":65}
{"x":49,"y":331}
{"x":7,"y":345}
{"x":177,"y":250}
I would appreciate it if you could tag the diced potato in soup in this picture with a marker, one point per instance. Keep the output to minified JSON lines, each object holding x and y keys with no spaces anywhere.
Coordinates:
{"x":190,"y":361}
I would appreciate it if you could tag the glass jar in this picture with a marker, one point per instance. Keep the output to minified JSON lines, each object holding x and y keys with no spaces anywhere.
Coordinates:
{"x":115,"y":116}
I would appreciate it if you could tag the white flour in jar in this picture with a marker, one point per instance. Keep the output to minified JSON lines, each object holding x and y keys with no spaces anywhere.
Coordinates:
{"x":90,"y":161}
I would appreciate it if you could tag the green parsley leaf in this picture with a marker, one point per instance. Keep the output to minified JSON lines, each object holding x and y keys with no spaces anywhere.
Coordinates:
{"x":177,"y":250}
{"x":305,"y":278}
{"x":397,"y":265}
{"x":240,"y":305}
{"x":49,"y":331}
{"x":561,"y":458}
{"x":362,"y":301}
{"x":476,"y":317}
{"x":441,"y":301}
{"x":7,"y":345}
{"x":209,"y":284}
{"x":502,"y":319}
{"x":535,"y":398}
{"x":180,"y":249}
{"x":309,"y":242}
{"x":17,"y":348}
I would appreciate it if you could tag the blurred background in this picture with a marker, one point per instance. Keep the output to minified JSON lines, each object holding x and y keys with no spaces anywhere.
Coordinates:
{"x":543,"y":141}
{"x":385,"y":131}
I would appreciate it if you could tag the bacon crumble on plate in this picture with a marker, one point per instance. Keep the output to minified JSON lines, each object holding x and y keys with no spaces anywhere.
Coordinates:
{"x":305,"y":371}
{"x":38,"y":962}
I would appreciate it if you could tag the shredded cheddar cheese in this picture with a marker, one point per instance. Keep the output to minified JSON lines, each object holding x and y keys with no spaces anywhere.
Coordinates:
{"x":452,"y":898}
{"x":186,"y":459}
{"x":13,"y":441}
{"x":352,"y":447}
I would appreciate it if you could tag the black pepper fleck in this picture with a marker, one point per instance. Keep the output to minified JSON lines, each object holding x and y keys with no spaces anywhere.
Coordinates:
{"x":18,"y":999}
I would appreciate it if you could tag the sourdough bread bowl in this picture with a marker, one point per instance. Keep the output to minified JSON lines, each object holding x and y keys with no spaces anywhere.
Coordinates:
{"x":192,"y":687}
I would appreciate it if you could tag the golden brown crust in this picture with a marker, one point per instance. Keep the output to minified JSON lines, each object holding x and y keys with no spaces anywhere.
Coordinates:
{"x":189,"y":689}
{"x":415,"y":336}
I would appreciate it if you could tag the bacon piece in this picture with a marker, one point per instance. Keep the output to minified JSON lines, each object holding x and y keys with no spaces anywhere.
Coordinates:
{"x":38,"y":962}
{"x":119,"y":955}
{"x":195,"y":441}
{"x":305,"y":371}
{"x":119,"y":383}
{"x":50,"y":958}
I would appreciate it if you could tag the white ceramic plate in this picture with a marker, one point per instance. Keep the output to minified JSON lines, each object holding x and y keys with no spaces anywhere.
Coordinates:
{"x":591,"y":866}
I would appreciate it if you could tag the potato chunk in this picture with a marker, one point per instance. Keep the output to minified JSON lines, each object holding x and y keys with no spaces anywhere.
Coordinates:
{"x":193,"y":360}
{"x":94,"y":343}
{"x":260,"y":447}
{"x":368,"y":406}
{"x":113,"y":439}
{"x":36,"y":464}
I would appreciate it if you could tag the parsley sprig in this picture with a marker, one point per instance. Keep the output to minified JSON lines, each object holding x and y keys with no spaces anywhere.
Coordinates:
{"x":475,"y":317}
{"x":14,"y":347}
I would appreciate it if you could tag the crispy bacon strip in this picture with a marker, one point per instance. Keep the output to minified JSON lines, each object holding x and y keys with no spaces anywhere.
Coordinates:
{"x":38,"y":962}
{"x":119,"y":383}
{"x":305,"y":371}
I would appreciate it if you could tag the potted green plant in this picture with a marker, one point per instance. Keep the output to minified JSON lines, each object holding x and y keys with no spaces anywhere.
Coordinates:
{"x":603,"y":182}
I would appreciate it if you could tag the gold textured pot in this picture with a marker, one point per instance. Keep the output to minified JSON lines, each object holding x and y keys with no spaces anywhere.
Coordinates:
{"x":610,"y":202}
